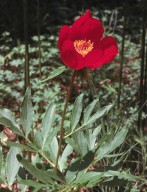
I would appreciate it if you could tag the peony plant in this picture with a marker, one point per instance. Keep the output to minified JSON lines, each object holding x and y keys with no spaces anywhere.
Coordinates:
{"x":68,"y":158}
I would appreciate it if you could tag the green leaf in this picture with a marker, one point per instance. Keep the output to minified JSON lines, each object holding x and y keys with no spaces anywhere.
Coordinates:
{"x":115,"y":155}
{"x":37,"y":136}
{"x":18,"y":145}
{"x":50,"y":174}
{"x":34,"y":170}
{"x":83,"y":163}
{"x":121,"y":175}
{"x":53,"y":148}
{"x":92,"y":137}
{"x":62,"y":161}
{"x":7,"y":118}
{"x":48,"y":121}
{"x":112,"y":142}
{"x":12,"y":165}
{"x":55,"y":73}
{"x":71,"y":175}
{"x":88,"y":177}
{"x":27,"y":112}
{"x":118,"y":139}
{"x":81,"y":142}
{"x":73,"y":144}
{"x":44,"y":176}
{"x":33,"y":146}
{"x":89,"y":110}
{"x":95,"y":179}
{"x":98,"y":114}
{"x":32,"y":183}
{"x":76,"y":112}
{"x":114,"y":182}
{"x":105,"y":145}
{"x":51,"y":136}
{"x":105,"y":168}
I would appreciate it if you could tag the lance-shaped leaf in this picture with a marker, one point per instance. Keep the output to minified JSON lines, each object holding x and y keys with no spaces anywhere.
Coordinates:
{"x":121,"y":175}
{"x":81,"y":142}
{"x":83,"y":163}
{"x":53,"y":149}
{"x":63,"y":160}
{"x":43,"y":176}
{"x":98,"y":114}
{"x":119,"y":139}
{"x":76,"y":112}
{"x":48,"y":121}
{"x":111,"y":143}
{"x":7,"y":118}
{"x":27,"y":112}
{"x":55,"y":73}
{"x":12,"y":165}
{"x":20,"y":146}
{"x":89,"y":110}
{"x":32,"y":183}
{"x":92,"y":137}
{"x":88,"y":179}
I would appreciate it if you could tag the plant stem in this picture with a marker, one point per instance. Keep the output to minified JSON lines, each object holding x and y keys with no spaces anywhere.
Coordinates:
{"x":71,"y":133}
{"x":39,"y":41}
{"x":142,"y":67}
{"x":41,"y":153}
{"x":122,"y":56}
{"x":26,"y":68}
{"x":63,"y":117}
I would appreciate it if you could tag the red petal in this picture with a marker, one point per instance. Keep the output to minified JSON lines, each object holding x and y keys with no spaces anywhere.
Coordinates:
{"x":110,"y":48}
{"x":88,"y":13}
{"x":70,"y":57}
{"x":87,"y":28}
{"x":94,"y":59}
{"x":75,"y":32}
{"x":105,"y":53}
{"x":92,"y":30}
{"x":63,"y":35}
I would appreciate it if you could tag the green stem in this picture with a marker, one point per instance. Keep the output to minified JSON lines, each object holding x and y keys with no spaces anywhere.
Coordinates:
{"x":41,"y":153}
{"x":62,"y":121}
{"x":78,"y":129}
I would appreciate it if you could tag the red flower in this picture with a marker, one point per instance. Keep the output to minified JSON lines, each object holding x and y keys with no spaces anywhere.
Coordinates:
{"x":82,"y":45}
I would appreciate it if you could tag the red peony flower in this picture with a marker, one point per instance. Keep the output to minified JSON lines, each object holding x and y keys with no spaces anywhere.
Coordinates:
{"x":82,"y":45}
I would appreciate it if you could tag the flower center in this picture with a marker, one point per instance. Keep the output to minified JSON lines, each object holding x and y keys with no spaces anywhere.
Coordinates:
{"x":83,"y":47}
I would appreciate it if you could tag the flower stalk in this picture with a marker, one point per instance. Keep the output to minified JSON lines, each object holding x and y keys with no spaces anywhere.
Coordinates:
{"x":63,"y":117}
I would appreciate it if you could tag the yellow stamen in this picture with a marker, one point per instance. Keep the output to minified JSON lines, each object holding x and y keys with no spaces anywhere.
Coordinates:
{"x":83,"y":47}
